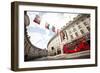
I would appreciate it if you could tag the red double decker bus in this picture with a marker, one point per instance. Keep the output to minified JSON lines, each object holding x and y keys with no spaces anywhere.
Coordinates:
{"x":76,"y":46}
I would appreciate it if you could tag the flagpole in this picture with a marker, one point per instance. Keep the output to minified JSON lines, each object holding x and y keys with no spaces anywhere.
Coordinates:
{"x":61,"y":44}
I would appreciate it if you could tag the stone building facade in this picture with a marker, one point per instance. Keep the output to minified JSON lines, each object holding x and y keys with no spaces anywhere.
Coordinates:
{"x":74,"y":30}
{"x":31,"y":52}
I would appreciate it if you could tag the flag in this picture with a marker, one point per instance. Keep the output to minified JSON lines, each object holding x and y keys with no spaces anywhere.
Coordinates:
{"x":62,"y":35}
{"x":47,"y":25}
{"x":37,"y":19}
{"x":53,"y":28}
{"x":66,"y":35}
{"x":26,"y":20}
{"x":58,"y":31}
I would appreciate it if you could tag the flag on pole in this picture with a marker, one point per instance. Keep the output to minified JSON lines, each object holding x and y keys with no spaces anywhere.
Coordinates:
{"x":53,"y":28}
{"x":66,"y":35}
{"x":37,"y":19}
{"x":47,"y":25}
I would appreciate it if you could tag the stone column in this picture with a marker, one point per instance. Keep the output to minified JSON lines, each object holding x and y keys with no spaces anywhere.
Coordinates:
{"x":61,"y":45}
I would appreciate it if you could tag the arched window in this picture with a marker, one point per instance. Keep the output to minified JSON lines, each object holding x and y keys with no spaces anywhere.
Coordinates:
{"x":52,"y":48}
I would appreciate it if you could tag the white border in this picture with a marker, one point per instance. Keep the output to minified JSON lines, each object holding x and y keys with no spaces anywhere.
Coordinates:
{"x":34,"y":64}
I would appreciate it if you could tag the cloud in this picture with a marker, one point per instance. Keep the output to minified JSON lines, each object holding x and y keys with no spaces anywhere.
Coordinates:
{"x":39,"y":36}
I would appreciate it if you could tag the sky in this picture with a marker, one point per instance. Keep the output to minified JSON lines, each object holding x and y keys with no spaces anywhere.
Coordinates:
{"x":39,"y":35}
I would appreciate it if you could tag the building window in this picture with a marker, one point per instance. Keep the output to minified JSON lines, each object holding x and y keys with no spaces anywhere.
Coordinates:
{"x":85,"y":23}
{"x":58,"y":52}
{"x":66,"y":35}
{"x":52,"y":48}
{"x":71,"y":36}
{"x":55,"y":53}
{"x":82,"y":32}
{"x":88,"y":28}
{"x":70,"y":32}
{"x":62,"y":35}
{"x":74,"y":29}
{"x":76,"y":34}
{"x":82,"y":19}
{"x":79,"y":26}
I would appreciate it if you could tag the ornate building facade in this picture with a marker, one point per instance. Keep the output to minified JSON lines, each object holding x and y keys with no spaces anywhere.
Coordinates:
{"x":72,"y":36}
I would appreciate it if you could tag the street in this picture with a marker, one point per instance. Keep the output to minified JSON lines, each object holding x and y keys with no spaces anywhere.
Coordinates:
{"x":78,"y":55}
